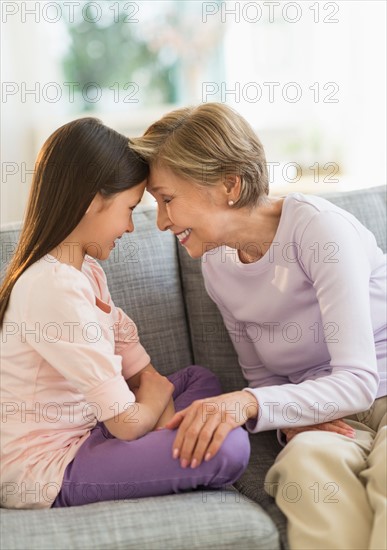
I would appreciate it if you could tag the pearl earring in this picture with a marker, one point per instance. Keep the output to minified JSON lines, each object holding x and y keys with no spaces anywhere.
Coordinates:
{"x":230,"y":203}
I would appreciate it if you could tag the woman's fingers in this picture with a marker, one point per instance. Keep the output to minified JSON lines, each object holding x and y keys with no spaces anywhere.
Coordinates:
{"x":188,"y":416}
{"x":196,"y":445}
{"x":219,"y":436}
{"x":335,"y":426}
{"x":175,"y":420}
{"x":338,"y":427}
{"x":188,"y":435}
{"x":198,"y":434}
{"x":203,"y":426}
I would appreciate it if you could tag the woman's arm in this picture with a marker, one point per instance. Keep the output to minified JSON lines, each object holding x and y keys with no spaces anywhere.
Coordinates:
{"x":340,"y":274}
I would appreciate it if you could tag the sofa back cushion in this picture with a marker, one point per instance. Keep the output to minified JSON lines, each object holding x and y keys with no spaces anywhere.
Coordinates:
{"x":144,"y":280}
{"x":368,"y":206}
{"x":210,"y":342}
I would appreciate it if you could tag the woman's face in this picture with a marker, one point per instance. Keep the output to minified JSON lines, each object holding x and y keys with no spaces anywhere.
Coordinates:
{"x":196,"y":215}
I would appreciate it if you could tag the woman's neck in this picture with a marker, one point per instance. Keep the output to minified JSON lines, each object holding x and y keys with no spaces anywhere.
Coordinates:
{"x":254,"y":233}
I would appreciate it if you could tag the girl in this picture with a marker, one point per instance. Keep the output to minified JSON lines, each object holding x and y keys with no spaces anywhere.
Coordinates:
{"x":81,"y":402}
{"x":300,"y":284}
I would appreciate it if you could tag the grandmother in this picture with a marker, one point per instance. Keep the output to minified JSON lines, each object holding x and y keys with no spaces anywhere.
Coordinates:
{"x":311,"y":278}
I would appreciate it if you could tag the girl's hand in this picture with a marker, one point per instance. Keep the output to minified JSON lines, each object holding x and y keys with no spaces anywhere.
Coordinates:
{"x":154,"y":384}
{"x":152,"y":397}
{"x":204,"y":425}
{"x":154,"y":390}
{"x":337,"y":426}
{"x":167,"y":415}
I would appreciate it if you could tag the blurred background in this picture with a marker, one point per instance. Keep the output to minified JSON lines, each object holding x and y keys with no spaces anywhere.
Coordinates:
{"x":310,"y":77}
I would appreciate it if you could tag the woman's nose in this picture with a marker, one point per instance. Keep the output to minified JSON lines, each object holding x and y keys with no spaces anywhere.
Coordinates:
{"x":163,"y":221}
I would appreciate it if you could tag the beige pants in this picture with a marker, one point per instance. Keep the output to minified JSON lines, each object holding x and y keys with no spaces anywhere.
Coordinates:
{"x":332,"y":488}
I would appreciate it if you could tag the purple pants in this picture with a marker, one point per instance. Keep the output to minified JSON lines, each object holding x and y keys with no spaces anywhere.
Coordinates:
{"x":107,"y":468}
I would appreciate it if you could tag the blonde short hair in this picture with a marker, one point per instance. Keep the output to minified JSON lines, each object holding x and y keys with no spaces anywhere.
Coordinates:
{"x":206,"y":144}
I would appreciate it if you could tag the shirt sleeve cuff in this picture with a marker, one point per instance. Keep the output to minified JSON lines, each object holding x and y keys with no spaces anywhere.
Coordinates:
{"x":281,"y":438}
{"x":252,"y":423}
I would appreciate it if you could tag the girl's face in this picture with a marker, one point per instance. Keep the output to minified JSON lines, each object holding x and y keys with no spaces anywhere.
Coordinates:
{"x":197,"y":216}
{"x":107,"y":219}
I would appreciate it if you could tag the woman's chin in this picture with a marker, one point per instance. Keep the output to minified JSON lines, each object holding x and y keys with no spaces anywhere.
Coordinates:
{"x":194,"y":253}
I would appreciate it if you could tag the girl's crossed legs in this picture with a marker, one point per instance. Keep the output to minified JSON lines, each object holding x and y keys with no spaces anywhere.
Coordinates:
{"x":106,"y":468}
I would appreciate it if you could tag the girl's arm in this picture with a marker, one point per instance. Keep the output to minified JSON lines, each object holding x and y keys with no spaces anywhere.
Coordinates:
{"x":169,"y":411}
{"x":153,"y":396}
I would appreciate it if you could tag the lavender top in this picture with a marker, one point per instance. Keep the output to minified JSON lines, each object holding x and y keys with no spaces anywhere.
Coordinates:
{"x":307,"y":320}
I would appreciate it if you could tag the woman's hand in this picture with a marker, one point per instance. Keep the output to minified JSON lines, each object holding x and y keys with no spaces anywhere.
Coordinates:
{"x":337,"y":426}
{"x":203,"y":426}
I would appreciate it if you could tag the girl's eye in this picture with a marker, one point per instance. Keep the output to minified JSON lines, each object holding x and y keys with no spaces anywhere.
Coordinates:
{"x":166,"y":201}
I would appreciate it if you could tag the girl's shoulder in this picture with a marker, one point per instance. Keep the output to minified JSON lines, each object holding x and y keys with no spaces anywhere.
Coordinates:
{"x":52,"y":290}
{"x":49,"y":278}
{"x":93,"y":271}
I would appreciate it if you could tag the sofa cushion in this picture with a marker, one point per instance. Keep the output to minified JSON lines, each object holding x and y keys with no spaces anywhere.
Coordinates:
{"x":368,"y":206}
{"x":144,"y":280}
{"x":201,"y":519}
{"x":211,"y":343}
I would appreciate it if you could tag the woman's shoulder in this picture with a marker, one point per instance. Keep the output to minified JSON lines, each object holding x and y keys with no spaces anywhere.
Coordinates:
{"x":310,"y":204}
{"x":317,"y":220}
{"x":308,"y":212}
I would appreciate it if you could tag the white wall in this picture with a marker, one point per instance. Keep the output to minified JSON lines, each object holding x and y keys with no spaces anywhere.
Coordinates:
{"x":351,"y":53}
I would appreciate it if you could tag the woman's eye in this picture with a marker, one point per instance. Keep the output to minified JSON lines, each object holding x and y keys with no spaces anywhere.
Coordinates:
{"x":166,"y":201}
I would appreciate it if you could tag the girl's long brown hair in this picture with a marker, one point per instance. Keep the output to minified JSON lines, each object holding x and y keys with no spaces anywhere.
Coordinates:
{"x":76,"y":162}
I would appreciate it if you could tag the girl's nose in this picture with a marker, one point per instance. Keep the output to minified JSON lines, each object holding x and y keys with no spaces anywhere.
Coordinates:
{"x":130,"y":227}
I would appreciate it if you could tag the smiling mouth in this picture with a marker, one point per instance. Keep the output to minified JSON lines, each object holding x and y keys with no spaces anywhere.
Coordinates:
{"x":183,"y":236}
{"x":115,"y":242}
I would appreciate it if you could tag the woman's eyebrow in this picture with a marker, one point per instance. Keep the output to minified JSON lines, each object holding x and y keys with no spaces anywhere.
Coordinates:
{"x":153,"y":189}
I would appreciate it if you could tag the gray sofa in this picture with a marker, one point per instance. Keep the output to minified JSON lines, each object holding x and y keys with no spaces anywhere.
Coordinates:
{"x":152,"y":278}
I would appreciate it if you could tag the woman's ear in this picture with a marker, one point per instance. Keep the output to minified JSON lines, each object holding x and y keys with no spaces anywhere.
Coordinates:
{"x":233,"y":185}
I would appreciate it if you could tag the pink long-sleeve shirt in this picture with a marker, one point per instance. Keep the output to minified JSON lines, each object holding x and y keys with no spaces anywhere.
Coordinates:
{"x":307,"y":320}
{"x":67,"y":352}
